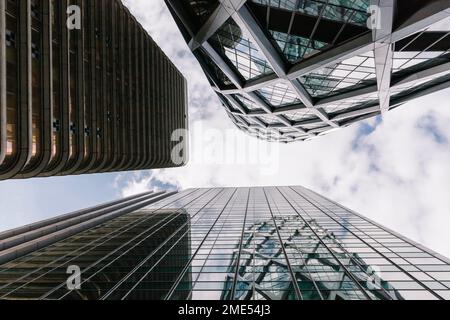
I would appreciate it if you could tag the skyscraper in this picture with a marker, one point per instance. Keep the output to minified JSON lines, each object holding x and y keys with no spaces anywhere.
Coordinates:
{"x":292,"y":70}
{"x":271,"y":243}
{"x":84,"y":89}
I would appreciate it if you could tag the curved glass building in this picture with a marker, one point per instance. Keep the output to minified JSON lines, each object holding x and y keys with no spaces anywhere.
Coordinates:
{"x":288,"y":70}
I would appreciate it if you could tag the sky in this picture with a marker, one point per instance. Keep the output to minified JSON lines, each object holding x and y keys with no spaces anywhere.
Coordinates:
{"x":394,"y":170}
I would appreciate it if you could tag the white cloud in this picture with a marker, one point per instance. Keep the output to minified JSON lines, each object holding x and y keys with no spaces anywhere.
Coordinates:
{"x":398,"y":175}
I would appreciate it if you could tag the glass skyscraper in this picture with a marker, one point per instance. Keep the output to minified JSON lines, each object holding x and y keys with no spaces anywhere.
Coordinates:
{"x":290,"y":71}
{"x":271,"y":243}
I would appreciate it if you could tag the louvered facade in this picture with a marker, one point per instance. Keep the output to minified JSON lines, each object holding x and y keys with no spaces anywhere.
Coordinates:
{"x":100,"y":98}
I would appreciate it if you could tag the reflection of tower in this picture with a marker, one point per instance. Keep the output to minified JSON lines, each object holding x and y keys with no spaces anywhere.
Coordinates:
{"x":231,"y":35}
{"x":136,"y":255}
{"x":316,"y":257}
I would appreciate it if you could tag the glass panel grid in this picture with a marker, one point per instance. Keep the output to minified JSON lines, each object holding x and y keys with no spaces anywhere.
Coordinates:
{"x":351,"y":11}
{"x":302,"y":40}
{"x":348,"y":73}
{"x":237,"y":48}
{"x":279,"y":95}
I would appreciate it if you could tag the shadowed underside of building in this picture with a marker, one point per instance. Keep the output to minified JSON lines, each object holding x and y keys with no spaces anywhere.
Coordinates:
{"x":102,"y":98}
{"x":292,"y":70}
{"x":271,"y":243}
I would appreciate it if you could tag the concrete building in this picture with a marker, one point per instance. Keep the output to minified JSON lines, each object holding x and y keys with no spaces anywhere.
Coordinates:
{"x":84,"y":89}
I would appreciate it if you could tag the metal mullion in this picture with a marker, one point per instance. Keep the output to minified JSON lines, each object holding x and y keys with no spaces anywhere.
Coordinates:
{"x":158,"y":91}
{"x":368,"y":244}
{"x":123,"y":119}
{"x":349,"y":274}
{"x":64,"y":94}
{"x":152,"y":90}
{"x":319,"y":18}
{"x":164,"y":113}
{"x":92,"y":132}
{"x":186,"y":233}
{"x":98,"y":239}
{"x":24,"y":124}
{"x":305,"y":264}
{"x":143,"y":219}
{"x":158,"y":98}
{"x":180,"y":277}
{"x":168,"y":115}
{"x":148,"y":257}
{"x":24,"y":140}
{"x":172,"y":112}
{"x":34,"y":235}
{"x":136,"y":98}
{"x":136,"y":244}
{"x":2,"y":81}
{"x":297,"y":290}
{"x":115,"y":144}
{"x":140,"y":71}
{"x":97,"y":96}
{"x":435,"y":255}
{"x":236,"y":272}
{"x":135,"y":123}
{"x":89,"y":70}
{"x":46,"y":99}
{"x":74,"y":165}
{"x":145,"y":99}
{"x":213,"y":244}
{"x":130,"y":139}
{"x":107,"y":256}
{"x":110,"y":254}
{"x":105,"y":132}
{"x":149,"y":97}
{"x":175,"y":95}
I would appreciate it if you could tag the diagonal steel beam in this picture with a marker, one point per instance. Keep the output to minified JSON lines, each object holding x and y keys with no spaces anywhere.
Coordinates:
{"x":360,"y":45}
{"x":434,"y":12}
{"x":223,"y":66}
{"x":383,"y":49}
{"x":216,"y":20}
{"x":250,"y":27}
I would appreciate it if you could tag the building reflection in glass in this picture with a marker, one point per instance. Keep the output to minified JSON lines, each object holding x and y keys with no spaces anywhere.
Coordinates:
{"x":136,"y":256}
{"x":264,"y":274}
{"x":273,"y":243}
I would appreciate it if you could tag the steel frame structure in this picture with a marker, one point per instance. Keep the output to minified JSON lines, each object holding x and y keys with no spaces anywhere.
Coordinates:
{"x":400,"y":26}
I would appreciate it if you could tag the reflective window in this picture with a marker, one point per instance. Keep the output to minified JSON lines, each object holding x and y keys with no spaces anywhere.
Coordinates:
{"x":247,"y":244}
{"x":237,"y":48}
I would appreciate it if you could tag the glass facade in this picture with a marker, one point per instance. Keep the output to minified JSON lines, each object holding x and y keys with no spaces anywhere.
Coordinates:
{"x":272,"y":243}
{"x":309,"y":67}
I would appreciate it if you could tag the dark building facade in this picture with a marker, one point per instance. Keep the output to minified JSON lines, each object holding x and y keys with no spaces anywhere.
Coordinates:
{"x":84,"y":89}
{"x":289,"y":70}
{"x":271,"y":243}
